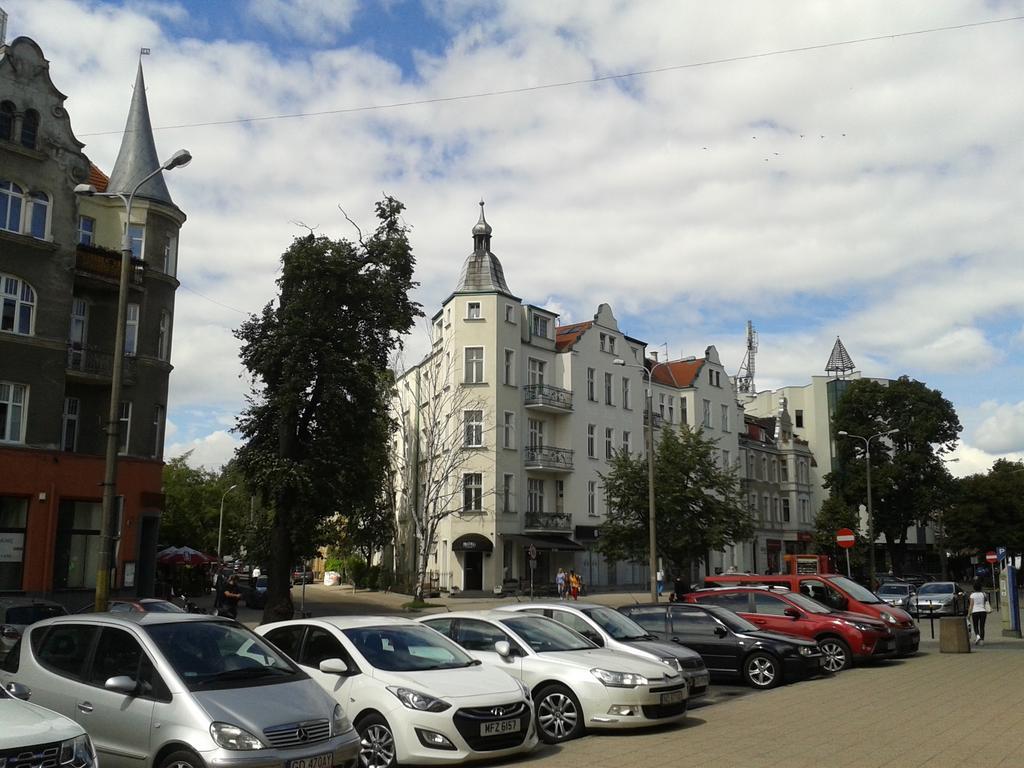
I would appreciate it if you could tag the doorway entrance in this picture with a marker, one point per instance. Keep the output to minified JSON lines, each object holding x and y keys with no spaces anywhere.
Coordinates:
{"x":473,"y":571}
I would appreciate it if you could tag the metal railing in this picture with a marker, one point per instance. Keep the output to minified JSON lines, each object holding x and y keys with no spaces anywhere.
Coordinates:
{"x":546,"y":457}
{"x":106,"y":264}
{"x":546,"y":394}
{"x":93,"y":361}
{"x":549,"y":521}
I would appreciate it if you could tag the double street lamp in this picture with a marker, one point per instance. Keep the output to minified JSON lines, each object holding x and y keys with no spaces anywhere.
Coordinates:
{"x":871,"y":517}
{"x":653,"y":556}
{"x":177,"y":160}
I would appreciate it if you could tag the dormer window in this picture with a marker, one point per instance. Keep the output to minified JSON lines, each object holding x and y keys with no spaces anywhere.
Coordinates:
{"x":30,"y":129}
{"x":473,"y":310}
{"x":540,"y":326}
{"x":6,"y":120}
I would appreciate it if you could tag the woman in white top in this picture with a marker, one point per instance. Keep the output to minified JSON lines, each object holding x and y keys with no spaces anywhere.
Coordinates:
{"x":976,"y":606}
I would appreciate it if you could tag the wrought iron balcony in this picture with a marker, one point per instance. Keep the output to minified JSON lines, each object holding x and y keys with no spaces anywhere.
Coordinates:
{"x":92,"y":364}
{"x":546,"y":458}
{"x":99,"y":262}
{"x":544,"y":397}
{"x":548,"y":521}
{"x":658,"y":419}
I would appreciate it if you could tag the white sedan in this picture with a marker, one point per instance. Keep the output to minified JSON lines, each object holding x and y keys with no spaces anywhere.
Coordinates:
{"x":575,"y":684}
{"x":47,"y":737}
{"x":413,"y":695}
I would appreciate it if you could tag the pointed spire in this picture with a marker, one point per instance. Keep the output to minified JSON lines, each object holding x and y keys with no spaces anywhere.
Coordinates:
{"x":839,"y":362}
{"x":482,"y":232}
{"x":137,"y":156}
{"x":482,"y":272}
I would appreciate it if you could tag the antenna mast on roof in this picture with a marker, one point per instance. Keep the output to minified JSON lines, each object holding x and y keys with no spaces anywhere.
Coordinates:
{"x":745,"y":377}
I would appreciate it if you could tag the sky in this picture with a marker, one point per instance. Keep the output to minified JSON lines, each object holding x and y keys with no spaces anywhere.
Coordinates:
{"x":850,"y":168}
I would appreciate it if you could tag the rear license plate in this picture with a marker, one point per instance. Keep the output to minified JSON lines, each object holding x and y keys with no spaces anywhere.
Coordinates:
{"x":672,"y":698}
{"x":499,"y":727}
{"x":326,"y":760}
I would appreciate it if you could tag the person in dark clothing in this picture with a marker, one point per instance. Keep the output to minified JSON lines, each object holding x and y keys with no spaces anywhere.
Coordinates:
{"x":228,"y":598}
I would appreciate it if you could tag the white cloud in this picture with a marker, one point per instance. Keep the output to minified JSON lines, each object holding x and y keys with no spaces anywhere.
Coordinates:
{"x":212,"y":451}
{"x":1002,"y":430}
{"x":973,"y":460}
{"x":313,"y":21}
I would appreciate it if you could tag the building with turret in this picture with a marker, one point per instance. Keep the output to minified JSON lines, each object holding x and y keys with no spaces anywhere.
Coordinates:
{"x":59,"y":269}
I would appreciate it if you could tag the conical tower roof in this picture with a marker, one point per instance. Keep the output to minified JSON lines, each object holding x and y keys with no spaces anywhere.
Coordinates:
{"x":482,"y":272}
{"x":137,"y":156}
{"x":839,"y":362}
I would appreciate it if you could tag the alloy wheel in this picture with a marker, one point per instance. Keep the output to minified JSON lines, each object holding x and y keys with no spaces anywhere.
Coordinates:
{"x":761,"y":671}
{"x":376,"y":747}
{"x":557,"y":715}
{"x":835,"y":655}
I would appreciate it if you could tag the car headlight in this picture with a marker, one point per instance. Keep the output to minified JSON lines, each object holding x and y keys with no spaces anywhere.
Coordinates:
{"x":77,"y":752}
{"x":673,"y":662}
{"x":861,"y":627}
{"x":339,"y":723}
{"x":885,"y":616}
{"x":416,"y":700}
{"x":619,"y":679}
{"x":232,"y":737}
{"x":806,"y":650}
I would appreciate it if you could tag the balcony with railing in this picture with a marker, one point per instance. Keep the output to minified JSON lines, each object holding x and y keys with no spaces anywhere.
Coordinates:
{"x":544,"y":458}
{"x":548,"y":521}
{"x":92,"y":261}
{"x":96,"y":365}
{"x":658,"y":419}
{"x":545,"y":397}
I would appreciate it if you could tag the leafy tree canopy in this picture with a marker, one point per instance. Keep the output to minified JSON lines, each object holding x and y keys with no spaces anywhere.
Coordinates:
{"x":988,"y":510}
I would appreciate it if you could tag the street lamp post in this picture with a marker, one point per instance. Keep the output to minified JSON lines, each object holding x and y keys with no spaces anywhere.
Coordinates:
{"x":871,"y":516}
{"x":653,"y":555}
{"x":941,"y":532}
{"x":220,"y":526}
{"x":177,"y":160}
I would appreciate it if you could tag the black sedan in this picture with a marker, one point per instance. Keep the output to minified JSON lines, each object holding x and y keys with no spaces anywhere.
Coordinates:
{"x":730,"y":646}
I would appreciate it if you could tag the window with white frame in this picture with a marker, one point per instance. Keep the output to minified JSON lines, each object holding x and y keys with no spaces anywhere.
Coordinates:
{"x":508,"y":483}
{"x":163,"y":339}
{"x":609,"y":442}
{"x":534,"y":495}
{"x":784,"y":469}
{"x":609,"y":394}
{"x":473,"y":310}
{"x":69,"y":424}
{"x":86,"y":230}
{"x":13,"y":402}
{"x":661,"y":405}
{"x":131,"y":330}
{"x":38,"y":223}
{"x":725,"y":418}
{"x":12,"y":198}
{"x":671,"y":409}
{"x":124,"y":426}
{"x":508,"y":430}
{"x":726,"y":460}
{"x":592,"y":498}
{"x":510,"y":313}
{"x":627,"y":400}
{"x":24,"y":212}
{"x":536,"y":427}
{"x":707,"y":413}
{"x":682,"y":411}
{"x":626,"y":447}
{"x":473,"y":422}
{"x":604,"y":342}
{"x":559,"y":497}
{"x":536,"y":371}
{"x":804,"y":511}
{"x":137,"y":236}
{"x":472,"y":492}
{"x":774,"y":470}
{"x":775,"y":508}
{"x":540,"y":326}
{"x":158,"y":431}
{"x":17,"y":305}
{"x":591,"y":387}
{"x":170,"y":265}
{"x":711,"y":377}
{"x":509,"y":374}
{"x":591,"y":434}
{"x":473,"y":369}
{"x":750,"y":465}
{"x":763,"y":507}
{"x":763,"y":474}
{"x":785,"y":510}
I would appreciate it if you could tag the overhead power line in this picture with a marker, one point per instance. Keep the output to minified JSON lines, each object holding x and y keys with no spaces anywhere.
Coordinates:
{"x":572,"y":83}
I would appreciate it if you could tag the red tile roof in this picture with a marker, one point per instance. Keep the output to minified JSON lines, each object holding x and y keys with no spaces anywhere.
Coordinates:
{"x":567,"y":335}
{"x":677,"y":373}
{"x":98,"y":178}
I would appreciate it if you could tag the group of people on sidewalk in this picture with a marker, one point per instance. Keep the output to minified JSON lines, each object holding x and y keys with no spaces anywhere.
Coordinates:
{"x":569,"y":585}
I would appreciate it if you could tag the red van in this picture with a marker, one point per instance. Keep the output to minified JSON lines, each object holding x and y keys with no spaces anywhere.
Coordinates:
{"x":841,"y":636}
{"x":837,"y":592}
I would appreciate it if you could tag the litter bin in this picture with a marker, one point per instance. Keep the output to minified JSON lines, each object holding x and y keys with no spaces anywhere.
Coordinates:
{"x":953,"y":636}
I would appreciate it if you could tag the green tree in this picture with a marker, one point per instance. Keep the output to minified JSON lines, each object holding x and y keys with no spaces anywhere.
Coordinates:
{"x":317,"y":358}
{"x":833,"y":515}
{"x":909,"y":481}
{"x":192,"y":497}
{"x":698,"y":505}
{"x":988,"y":510}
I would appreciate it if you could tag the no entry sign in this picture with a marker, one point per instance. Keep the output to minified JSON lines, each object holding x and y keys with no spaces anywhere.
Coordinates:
{"x":845,"y":538}
{"x":992,"y":557}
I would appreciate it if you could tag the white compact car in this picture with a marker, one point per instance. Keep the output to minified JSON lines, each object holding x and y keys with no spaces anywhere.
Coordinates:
{"x":575,"y":684}
{"x":413,"y":695}
{"x":33,"y":736}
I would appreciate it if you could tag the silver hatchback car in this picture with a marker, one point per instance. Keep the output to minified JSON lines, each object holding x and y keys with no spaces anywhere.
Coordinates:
{"x":175,"y":690}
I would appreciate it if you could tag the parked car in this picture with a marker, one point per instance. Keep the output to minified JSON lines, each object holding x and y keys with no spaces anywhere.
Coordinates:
{"x":413,"y":695}
{"x":136,"y":606}
{"x":33,"y":736}
{"x":842,"y":636}
{"x":255,"y":595}
{"x":896,"y":593}
{"x":302,"y":575}
{"x":939,"y":598}
{"x":839,"y":593}
{"x":179,"y":690}
{"x":16,"y":613}
{"x":731,"y":646}
{"x":610,"y":629}
{"x":575,"y":684}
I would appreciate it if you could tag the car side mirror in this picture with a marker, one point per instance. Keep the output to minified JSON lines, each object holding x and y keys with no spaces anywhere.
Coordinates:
{"x":503,"y":649}
{"x":334,"y":667}
{"x":19,"y":691}
{"x":122,"y":684}
{"x":720,"y":632}
{"x":793,"y":613}
{"x":842,"y":603}
{"x":594,"y":637}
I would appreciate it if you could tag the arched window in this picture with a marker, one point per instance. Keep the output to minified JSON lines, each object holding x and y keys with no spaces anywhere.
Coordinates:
{"x":17,"y":305}
{"x":30,"y":128}
{"x":10,"y":206}
{"x":6,"y":120}
{"x":39,"y":209}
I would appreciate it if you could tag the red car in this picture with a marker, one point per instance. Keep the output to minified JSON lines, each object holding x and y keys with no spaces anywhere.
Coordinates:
{"x":842,"y":636}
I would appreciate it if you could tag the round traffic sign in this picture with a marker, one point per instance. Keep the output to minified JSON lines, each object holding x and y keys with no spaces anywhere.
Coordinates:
{"x":991,"y":557}
{"x":532,"y":552}
{"x":845,"y":538}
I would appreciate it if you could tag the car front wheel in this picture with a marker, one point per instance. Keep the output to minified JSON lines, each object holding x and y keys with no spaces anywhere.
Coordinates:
{"x":182,"y":759}
{"x":559,"y":716}
{"x":376,"y":743}
{"x":761,"y":670}
{"x":837,"y":654}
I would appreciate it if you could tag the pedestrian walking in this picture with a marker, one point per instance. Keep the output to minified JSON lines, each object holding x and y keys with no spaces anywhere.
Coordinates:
{"x":574,"y":585}
{"x":561,"y":584}
{"x":229,"y":598}
{"x":979,"y":608}
{"x":660,"y":577}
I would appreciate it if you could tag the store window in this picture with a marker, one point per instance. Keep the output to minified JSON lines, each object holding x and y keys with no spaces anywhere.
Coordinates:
{"x":76,"y":559}
{"x":13,"y":520}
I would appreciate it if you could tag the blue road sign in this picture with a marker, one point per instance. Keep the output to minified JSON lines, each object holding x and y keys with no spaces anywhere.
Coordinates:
{"x":1001,"y":553}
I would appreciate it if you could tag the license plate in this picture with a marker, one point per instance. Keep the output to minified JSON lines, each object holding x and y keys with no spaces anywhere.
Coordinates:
{"x":672,"y":698}
{"x":326,"y":760}
{"x":499,"y":727}
{"x":888,"y":645}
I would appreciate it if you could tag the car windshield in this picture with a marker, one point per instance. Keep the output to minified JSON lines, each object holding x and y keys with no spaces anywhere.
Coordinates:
{"x":616,"y":625}
{"x":545,"y":635}
{"x":30,"y":614}
{"x":730,"y":619}
{"x":936,"y":588}
{"x":207,"y":655}
{"x":854,"y":590}
{"x":811,"y":606}
{"x":408,"y":649}
{"x":897,"y":590}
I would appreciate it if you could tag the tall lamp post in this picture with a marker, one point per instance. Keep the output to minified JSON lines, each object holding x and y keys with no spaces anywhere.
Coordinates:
{"x":941,"y":532}
{"x":871,"y":516}
{"x":653,"y":555}
{"x":177,"y":160}
{"x":220,"y":526}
